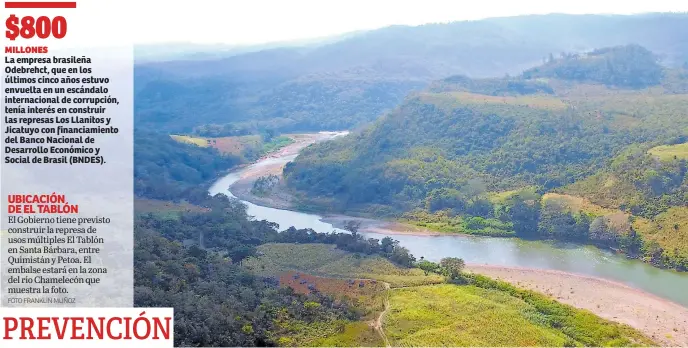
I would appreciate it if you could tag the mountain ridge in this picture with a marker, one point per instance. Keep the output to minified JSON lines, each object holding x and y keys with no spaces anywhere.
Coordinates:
{"x":351,"y":82}
{"x":451,"y":149}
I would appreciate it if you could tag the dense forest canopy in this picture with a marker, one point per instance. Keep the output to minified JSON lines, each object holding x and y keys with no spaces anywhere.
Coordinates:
{"x":352,"y":81}
{"x":623,"y":66}
{"x":446,"y":154}
{"x":164,"y":168}
{"x":191,"y":260}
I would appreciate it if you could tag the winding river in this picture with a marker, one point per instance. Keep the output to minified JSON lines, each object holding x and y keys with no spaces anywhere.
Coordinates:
{"x":510,"y":252}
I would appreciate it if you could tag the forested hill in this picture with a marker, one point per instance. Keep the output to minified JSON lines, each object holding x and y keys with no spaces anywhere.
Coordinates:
{"x":166,"y":169}
{"x":353,"y":80}
{"x":577,"y":143}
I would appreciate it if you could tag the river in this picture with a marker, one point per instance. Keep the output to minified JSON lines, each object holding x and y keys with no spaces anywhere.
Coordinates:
{"x":512,"y":252}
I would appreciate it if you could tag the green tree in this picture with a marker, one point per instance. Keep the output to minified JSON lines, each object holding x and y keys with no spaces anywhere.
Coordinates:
{"x":453,"y":267}
{"x":428,"y":266}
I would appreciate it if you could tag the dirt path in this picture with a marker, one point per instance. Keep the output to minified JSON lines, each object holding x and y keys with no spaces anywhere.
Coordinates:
{"x":663,"y":320}
{"x":377,"y":324}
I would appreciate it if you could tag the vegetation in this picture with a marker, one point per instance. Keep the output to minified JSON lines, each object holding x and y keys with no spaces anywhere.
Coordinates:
{"x":666,"y":238}
{"x":446,"y":221}
{"x":247,"y":147}
{"x":547,"y":155}
{"x":447,"y":315}
{"x":328,"y":261}
{"x":191,"y":140}
{"x":341,"y":334}
{"x":218,"y":261}
{"x":580,"y":326}
{"x":276,"y":144}
{"x":670,"y":152}
{"x":622,"y":66}
{"x":264,"y":184}
{"x":198,"y":261}
{"x":188,"y":256}
{"x":164,"y":169}
{"x":193,"y":264}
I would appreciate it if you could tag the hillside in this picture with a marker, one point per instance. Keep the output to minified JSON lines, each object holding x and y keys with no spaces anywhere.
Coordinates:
{"x":428,"y":310}
{"x":351,"y":81}
{"x":476,"y":156}
{"x":237,"y":281}
{"x":165,"y":169}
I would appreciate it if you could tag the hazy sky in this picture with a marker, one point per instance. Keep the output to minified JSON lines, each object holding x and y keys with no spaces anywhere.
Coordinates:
{"x":256,"y":21}
{"x":259,"y":21}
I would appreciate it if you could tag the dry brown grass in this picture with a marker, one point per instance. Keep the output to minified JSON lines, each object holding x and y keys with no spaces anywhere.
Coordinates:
{"x":579,"y":204}
{"x":458,"y":98}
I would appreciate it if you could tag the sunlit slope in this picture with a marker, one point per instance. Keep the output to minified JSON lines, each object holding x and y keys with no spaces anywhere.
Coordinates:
{"x":443,"y":139}
{"x":605,"y":132}
{"x":423,"y":310}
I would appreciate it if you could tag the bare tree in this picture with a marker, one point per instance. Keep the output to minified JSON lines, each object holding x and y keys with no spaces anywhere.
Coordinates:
{"x":352,"y":226}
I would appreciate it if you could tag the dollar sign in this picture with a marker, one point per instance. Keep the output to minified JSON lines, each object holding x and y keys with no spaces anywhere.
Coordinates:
{"x":12,"y":28}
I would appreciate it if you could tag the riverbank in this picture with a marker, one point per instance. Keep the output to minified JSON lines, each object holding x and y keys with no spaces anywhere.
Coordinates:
{"x":660,"y":319}
{"x":381,"y":227}
{"x":273,"y":164}
{"x":280,"y":197}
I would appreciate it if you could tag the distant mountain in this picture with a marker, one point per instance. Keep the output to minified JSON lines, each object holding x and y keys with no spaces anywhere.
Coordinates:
{"x":171,"y":51}
{"x":630,"y":66}
{"x":539,"y":155}
{"x":352,"y":81}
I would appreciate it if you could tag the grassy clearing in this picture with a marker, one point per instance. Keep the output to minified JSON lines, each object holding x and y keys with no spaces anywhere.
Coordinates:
{"x":578,"y":204}
{"x":327,"y":261}
{"x":289,"y":261}
{"x":670,"y":152}
{"x":337,"y":333}
{"x":487,"y":227}
{"x":442,"y":222}
{"x":450,"y":315}
{"x":457,"y":98}
{"x":228,"y":145}
{"x":277,"y":143}
{"x":202,"y":142}
{"x":358,"y":334}
{"x":603,"y":189}
{"x":424,"y":311}
{"x":580,"y":326}
{"x":240,"y":145}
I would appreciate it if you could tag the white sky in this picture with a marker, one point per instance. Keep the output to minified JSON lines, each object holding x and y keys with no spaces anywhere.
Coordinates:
{"x":256,"y":21}
{"x":259,"y":21}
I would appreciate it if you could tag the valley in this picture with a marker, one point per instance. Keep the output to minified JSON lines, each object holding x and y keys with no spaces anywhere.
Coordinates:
{"x":584,"y":277}
{"x":574,"y":150}
{"x":516,"y":181}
